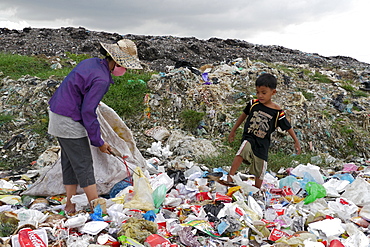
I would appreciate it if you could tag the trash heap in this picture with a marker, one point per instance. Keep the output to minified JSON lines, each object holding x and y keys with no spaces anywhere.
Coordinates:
{"x":327,"y":118}
{"x":186,"y":204}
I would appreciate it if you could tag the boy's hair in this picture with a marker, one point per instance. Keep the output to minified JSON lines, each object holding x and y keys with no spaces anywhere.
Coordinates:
{"x":266,"y":80}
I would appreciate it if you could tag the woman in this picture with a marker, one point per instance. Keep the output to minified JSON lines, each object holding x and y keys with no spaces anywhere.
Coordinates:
{"x":73,"y":119}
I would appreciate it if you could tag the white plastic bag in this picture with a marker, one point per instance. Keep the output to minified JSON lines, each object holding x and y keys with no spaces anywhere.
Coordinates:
{"x":142,"y":198}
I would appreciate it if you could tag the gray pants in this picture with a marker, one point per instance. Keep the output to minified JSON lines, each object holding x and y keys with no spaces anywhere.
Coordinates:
{"x":77,"y":162}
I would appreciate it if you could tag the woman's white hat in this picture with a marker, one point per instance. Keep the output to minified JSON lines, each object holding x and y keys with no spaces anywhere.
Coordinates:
{"x":124,"y":52}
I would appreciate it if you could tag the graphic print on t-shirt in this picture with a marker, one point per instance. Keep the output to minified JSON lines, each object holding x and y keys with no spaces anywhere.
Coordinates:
{"x":259,"y":124}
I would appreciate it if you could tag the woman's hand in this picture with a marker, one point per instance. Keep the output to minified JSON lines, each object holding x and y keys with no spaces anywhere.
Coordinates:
{"x":105,"y":148}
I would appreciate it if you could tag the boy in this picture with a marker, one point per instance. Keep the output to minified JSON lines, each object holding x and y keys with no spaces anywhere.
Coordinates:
{"x":263,"y":117}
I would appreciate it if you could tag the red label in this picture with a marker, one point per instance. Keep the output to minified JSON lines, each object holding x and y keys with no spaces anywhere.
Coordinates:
{"x":277,"y":234}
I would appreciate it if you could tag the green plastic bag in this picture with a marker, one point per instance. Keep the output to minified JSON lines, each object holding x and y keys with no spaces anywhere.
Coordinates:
{"x":159,"y":194}
{"x":314,"y":191}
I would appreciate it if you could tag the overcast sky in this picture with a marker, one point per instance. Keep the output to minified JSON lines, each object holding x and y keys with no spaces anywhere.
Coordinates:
{"x":326,"y":27}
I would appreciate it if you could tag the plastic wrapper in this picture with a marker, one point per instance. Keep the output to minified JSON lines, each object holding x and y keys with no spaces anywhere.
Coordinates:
{"x":334,"y":187}
{"x":245,"y":187}
{"x":150,"y":215}
{"x":81,"y":202}
{"x":162,"y":179}
{"x":252,"y":203}
{"x":97,"y":215}
{"x":156,"y":240}
{"x":8,"y":223}
{"x":76,"y":221}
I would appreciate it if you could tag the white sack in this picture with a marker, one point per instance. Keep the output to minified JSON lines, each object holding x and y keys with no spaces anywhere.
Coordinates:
{"x":109,"y":170}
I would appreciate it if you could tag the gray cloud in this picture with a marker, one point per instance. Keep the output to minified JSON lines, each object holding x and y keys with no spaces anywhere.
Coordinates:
{"x":237,"y":19}
{"x":186,"y":18}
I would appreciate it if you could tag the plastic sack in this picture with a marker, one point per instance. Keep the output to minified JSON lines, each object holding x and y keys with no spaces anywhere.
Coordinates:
{"x":314,"y":191}
{"x":143,"y":198}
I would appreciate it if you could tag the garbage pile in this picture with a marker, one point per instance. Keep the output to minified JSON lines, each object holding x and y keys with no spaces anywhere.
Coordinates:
{"x":327,"y":118}
{"x":186,"y":204}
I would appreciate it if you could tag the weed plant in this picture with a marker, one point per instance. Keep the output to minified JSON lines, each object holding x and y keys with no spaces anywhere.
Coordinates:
{"x":191,"y":119}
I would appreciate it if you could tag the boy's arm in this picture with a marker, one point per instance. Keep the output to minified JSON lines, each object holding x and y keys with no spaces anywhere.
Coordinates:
{"x":297,"y":146}
{"x":236,"y":126}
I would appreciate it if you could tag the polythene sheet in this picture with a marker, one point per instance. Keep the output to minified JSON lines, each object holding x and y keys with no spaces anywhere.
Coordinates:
{"x":109,"y":169}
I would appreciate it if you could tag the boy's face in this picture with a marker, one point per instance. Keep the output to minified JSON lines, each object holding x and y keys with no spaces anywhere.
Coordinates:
{"x":264,"y":94}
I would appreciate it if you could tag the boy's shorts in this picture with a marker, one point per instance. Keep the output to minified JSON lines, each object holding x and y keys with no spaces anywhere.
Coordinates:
{"x":258,"y":166}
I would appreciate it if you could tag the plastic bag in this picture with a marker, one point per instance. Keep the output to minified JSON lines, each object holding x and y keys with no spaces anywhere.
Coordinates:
{"x":143,"y":198}
{"x":120,"y":186}
{"x":98,"y":214}
{"x":159,"y":194}
{"x":314,"y":191}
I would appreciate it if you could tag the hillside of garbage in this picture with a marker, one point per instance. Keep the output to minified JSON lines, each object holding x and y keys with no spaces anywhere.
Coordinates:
{"x":214,"y":77}
{"x":326,"y":99}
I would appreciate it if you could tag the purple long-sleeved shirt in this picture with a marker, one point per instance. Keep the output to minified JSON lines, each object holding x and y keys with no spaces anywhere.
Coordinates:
{"x":79,"y":95}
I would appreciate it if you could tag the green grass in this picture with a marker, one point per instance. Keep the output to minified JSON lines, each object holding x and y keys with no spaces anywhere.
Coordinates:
{"x":191,"y":118}
{"x":347,"y":85}
{"x":280,"y":159}
{"x":126,"y":95}
{"x":16,"y":66}
{"x":4,"y":118}
{"x":307,"y":95}
{"x":359,"y":93}
{"x":321,"y":78}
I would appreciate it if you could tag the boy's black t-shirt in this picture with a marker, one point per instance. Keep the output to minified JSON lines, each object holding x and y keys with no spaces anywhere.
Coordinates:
{"x":260,"y":124}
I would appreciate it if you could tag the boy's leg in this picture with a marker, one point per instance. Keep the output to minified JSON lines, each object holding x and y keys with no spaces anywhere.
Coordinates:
{"x":258,"y":183}
{"x":234,"y":167}
{"x":244,"y":153}
{"x":258,"y":169}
